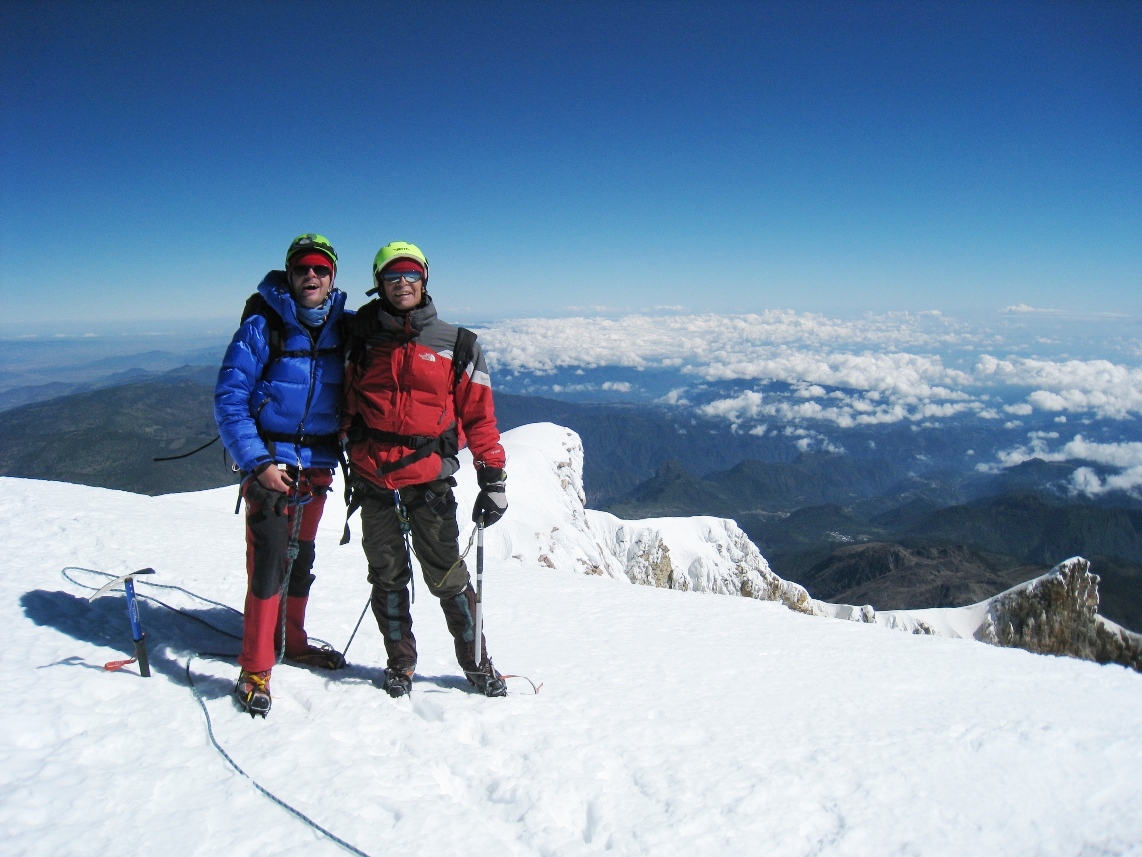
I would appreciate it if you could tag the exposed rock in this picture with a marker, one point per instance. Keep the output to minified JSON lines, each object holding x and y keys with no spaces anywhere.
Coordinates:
{"x":648,"y":560}
{"x":1116,"y":645}
{"x":1052,"y":614}
{"x":1056,"y":614}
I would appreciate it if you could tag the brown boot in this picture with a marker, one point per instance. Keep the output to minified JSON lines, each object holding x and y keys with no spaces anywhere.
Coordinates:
{"x":323,"y":657}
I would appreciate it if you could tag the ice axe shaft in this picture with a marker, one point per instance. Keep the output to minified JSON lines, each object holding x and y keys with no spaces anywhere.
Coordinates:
{"x":479,"y":589}
{"x":137,"y":628}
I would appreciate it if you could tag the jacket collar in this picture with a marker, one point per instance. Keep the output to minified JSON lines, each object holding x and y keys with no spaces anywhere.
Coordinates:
{"x":406,"y":325}
{"x":275,"y":289}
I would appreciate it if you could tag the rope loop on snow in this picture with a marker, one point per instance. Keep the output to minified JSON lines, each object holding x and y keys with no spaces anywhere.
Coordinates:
{"x":202,"y":704}
{"x":352,"y":849}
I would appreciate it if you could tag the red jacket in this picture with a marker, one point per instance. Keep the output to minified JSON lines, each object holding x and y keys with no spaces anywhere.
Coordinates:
{"x":399,"y":396}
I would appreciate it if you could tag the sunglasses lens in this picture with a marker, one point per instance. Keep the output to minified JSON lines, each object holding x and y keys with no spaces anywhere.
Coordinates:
{"x":397,"y":276}
{"x":320,"y":270}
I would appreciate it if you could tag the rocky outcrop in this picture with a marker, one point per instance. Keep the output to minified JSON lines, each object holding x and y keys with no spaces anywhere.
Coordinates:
{"x":1056,"y":614}
{"x":695,"y":555}
{"x":1052,"y":614}
{"x":1116,"y":645}
{"x":553,"y":529}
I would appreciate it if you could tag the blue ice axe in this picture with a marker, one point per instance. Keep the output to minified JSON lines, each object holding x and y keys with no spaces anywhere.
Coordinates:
{"x":128,"y":581}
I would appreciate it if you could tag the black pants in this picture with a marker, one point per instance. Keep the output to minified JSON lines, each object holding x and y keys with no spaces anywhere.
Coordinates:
{"x":432,"y":519}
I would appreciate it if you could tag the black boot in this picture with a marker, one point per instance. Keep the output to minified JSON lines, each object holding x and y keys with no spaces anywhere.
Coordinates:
{"x":397,"y":682}
{"x":487,"y":680}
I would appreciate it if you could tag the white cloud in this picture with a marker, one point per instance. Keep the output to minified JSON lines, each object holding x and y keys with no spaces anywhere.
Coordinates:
{"x":1126,"y":457}
{"x":1086,"y":481}
{"x":1023,"y":308}
{"x":675,"y":397}
{"x":1106,"y":389}
{"x":747,"y":406}
{"x":875,"y":369}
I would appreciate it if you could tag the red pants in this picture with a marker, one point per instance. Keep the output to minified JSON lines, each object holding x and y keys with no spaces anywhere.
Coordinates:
{"x":268,"y":565}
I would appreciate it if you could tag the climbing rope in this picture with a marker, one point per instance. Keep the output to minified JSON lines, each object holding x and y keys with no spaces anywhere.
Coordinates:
{"x":154,"y":600}
{"x":295,"y":812}
{"x":202,"y":704}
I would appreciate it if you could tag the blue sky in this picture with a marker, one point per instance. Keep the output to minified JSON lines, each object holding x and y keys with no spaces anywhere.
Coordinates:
{"x":575,"y":158}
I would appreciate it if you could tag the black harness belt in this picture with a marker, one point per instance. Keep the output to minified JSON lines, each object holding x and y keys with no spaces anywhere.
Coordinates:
{"x":445,"y":444}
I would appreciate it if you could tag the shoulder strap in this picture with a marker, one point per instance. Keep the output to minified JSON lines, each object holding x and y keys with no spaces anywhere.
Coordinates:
{"x":463,"y":353}
{"x":258,"y":305}
{"x":358,"y":330}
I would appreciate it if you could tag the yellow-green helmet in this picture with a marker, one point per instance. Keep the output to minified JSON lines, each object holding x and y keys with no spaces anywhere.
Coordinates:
{"x":399,"y":250}
{"x":309,"y":242}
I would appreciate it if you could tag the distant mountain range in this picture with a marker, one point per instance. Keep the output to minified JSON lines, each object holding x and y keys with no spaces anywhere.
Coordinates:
{"x":109,"y":436}
{"x":914,"y":528}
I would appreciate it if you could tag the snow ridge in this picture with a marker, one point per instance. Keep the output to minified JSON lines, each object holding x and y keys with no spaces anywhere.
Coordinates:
{"x":1052,"y":614}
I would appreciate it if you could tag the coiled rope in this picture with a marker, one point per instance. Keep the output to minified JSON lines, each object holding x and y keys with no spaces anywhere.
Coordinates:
{"x":201,"y":703}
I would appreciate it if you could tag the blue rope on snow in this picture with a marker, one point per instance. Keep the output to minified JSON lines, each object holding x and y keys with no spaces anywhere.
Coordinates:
{"x":297,"y":813}
{"x":202,"y":704}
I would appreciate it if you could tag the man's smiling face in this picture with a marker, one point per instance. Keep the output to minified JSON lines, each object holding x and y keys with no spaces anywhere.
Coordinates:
{"x":311,"y":280}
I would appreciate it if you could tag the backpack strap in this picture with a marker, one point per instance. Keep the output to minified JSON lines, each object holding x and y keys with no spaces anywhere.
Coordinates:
{"x":463,"y":352}
{"x":275,"y":325}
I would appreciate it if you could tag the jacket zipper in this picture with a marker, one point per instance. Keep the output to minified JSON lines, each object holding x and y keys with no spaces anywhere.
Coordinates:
{"x":309,"y":394}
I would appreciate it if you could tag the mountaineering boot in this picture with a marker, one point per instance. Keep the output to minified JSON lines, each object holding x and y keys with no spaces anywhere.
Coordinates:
{"x":487,"y":680}
{"x":398,"y":682}
{"x":253,"y":692}
{"x":325,"y":657}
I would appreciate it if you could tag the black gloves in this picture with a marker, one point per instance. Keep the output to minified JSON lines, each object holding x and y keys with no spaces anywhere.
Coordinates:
{"x":491,"y":502}
{"x":274,"y":501}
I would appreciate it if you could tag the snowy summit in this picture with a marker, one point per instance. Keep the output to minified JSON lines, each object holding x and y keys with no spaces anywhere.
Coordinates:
{"x":672,"y":719}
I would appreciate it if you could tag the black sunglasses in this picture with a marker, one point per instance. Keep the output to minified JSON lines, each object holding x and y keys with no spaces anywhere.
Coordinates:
{"x":321,"y":270}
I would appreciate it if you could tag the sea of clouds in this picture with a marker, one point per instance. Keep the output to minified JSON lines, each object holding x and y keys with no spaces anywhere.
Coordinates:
{"x":809,"y":371}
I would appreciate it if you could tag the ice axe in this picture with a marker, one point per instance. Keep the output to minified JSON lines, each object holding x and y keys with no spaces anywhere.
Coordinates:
{"x":128,"y":581}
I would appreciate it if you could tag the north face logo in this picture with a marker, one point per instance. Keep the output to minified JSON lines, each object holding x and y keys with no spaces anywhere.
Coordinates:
{"x":428,"y":355}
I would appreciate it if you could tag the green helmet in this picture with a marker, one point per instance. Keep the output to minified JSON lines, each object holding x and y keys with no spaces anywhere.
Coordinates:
{"x":311,"y":241}
{"x":399,"y":250}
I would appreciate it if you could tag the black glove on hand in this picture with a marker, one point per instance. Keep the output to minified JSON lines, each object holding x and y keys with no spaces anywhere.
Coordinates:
{"x":269,"y":500}
{"x":492,"y":501}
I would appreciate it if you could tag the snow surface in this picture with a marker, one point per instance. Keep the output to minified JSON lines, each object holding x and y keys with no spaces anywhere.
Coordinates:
{"x":669,"y":722}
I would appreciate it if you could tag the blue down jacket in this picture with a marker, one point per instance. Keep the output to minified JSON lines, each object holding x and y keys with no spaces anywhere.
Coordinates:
{"x":285,"y":412}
